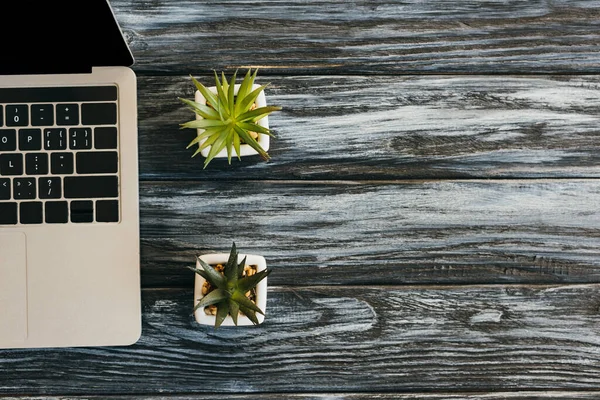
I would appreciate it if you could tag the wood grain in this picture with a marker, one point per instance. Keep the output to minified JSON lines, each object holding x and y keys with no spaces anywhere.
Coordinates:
{"x":392,"y":128}
{"x":430,"y":211}
{"x":361,"y":233}
{"x":341,"y":339}
{"x":365,"y":37}
{"x":518,"y":395}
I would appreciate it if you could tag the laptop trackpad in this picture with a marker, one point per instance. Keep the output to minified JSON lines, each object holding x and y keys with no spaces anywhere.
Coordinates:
{"x":13,"y":287}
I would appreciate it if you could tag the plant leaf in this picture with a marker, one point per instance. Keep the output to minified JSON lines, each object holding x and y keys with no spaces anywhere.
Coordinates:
{"x":257,"y":114}
{"x":234,"y":311}
{"x":198,"y":150}
{"x":230,"y":95}
{"x":249,"y":282}
{"x":231,"y":266}
{"x":210,"y":140}
{"x":251,"y":142}
{"x":206,"y":133}
{"x":250,"y":314}
{"x":222,"y":98}
{"x":216,"y":146}
{"x":249,"y":127}
{"x":200,"y":272}
{"x":224,"y":83}
{"x":210,"y":97}
{"x":229,"y":145}
{"x":202,"y":123}
{"x":245,"y":302}
{"x":236,"y":146}
{"x":222,"y":313}
{"x":201,"y":109}
{"x":244,"y":89}
{"x":214,"y":297}
{"x":214,"y":277}
{"x":251,"y":98}
{"x":241,"y":266}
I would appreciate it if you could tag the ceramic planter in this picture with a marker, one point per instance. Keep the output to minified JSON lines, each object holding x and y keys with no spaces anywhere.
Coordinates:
{"x":261,"y":289}
{"x":245,"y":149}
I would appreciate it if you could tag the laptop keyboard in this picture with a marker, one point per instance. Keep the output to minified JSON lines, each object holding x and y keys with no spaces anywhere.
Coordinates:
{"x":59,"y":160}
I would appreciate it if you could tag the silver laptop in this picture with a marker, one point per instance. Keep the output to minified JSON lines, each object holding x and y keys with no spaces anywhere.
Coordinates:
{"x":69,"y":225}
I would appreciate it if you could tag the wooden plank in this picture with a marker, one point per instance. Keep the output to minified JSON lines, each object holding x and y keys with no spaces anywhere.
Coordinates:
{"x":519,"y":395}
{"x":392,"y":128}
{"x":386,"y":36}
{"x":361,"y":233}
{"x":341,"y":339}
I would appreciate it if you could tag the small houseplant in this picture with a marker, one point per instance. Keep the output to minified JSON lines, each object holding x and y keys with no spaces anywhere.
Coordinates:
{"x":230,"y":289}
{"x":230,"y":117}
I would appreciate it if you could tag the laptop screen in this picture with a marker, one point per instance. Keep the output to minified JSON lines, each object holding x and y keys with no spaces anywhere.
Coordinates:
{"x":60,"y":36}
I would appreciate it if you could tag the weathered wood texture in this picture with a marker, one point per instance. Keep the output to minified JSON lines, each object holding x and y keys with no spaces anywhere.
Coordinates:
{"x":341,"y":339}
{"x":386,"y":106}
{"x":383,"y":36}
{"x":518,"y":395}
{"x":378,"y":233}
{"x":392,"y":128}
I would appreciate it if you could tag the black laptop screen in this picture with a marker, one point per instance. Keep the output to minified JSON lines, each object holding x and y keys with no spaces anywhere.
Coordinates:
{"x":39,"y":37}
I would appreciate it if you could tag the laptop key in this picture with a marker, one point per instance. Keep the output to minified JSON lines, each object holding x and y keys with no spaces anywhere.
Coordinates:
{"x":8,"y":140}
{"x":82,"y":211}
{"x":36,"y":163}
{"x":80,"y":138}
{"x":55,"y":139}
{"x":97,"y":162}
{"x":11,"y":164}
{"x":50,"y":188}
{"x":61,"y":163}
{"x":105,"y":137}
{"x":57,"y":212}
{"x":24,"y":188}
{"x":8,"y":213}
{"x":17,"y":115}
{"x":67,"y":114}
{"x":107,"y":211}
{"x":30,"y":139}
{"x":31,"y":212}
{"x":82,"y":187}
{"x":99,"y":113}
{"x":42,"y":114}
{"x":4,"y":189}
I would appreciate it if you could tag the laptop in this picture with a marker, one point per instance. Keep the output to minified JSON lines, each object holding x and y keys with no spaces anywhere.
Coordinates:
{"x":69,"y":220}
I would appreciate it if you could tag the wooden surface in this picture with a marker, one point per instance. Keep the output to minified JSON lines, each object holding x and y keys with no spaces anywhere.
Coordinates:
{"x":364,"y":37}
{"x":430,"y":211}
{"x":357,"y":233}
{"x":393,"y":127}
{"x":346,"y":339}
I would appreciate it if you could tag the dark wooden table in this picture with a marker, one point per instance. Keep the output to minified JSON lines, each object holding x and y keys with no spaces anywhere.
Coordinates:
{"x":430,"y":212}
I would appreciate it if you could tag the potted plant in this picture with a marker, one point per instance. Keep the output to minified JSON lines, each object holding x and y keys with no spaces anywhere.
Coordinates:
{"x":230,"y":289}
{"x":230,"y":117}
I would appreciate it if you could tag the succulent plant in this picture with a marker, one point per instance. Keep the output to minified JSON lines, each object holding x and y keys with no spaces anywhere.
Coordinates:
{"x":228,"y":119}
{"x":229,"y":289}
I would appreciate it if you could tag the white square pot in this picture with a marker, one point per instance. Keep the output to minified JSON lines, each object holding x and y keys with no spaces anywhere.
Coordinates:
{"x":261,"y":289}
{"x":245,"y":149}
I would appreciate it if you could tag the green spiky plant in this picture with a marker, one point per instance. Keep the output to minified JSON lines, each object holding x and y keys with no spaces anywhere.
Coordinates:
{"x":229,"y":289}
{"x":227,"y":118}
